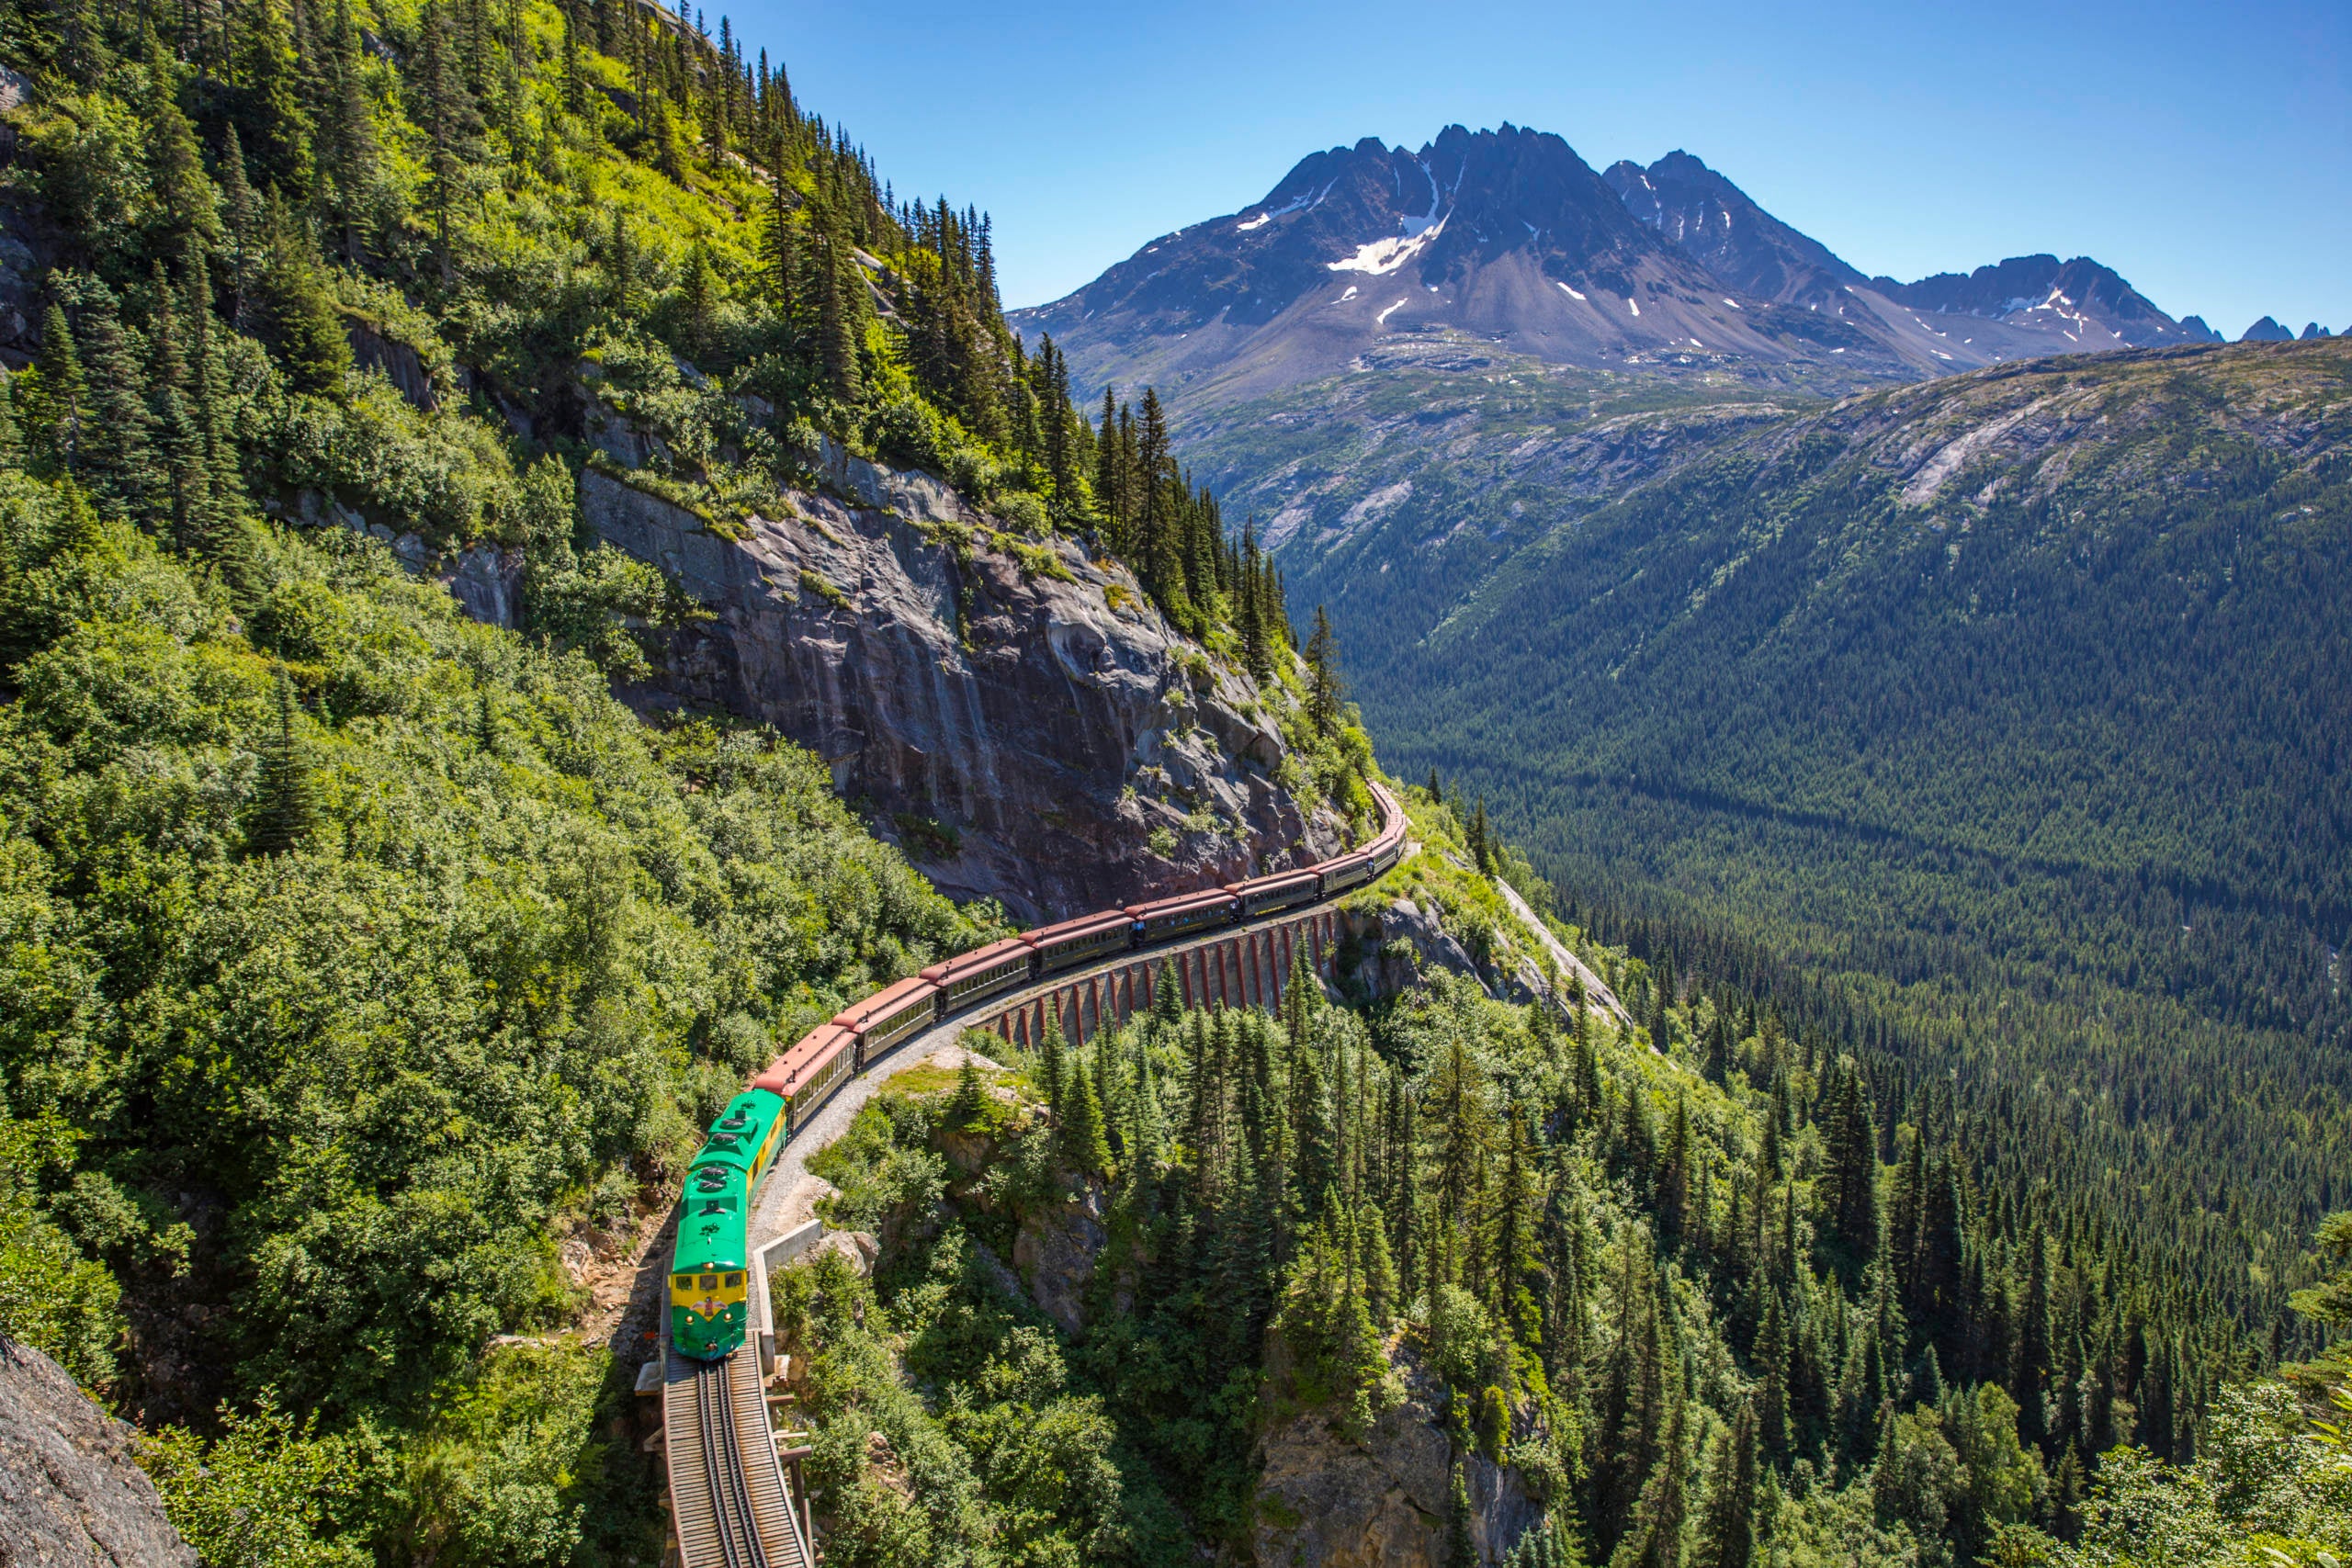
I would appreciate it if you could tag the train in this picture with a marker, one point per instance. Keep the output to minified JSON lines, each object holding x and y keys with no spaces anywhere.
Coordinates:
{"x":710,"y":1262}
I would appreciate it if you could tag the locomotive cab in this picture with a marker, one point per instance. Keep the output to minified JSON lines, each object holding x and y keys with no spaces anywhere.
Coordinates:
{"x":709,"y":1273}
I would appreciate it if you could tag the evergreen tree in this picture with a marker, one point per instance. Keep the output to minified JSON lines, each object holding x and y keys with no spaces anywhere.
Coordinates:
{"x":1727,"y":1528}
{"x":119,"y":457}
{"x":453,"y":129}
{"x":246,"y":245}
{"x":187,"y":208}
{"x":840,"y":323}
{"x":1461,"y":1546}
{"x":285,"y":809}
{"x":1323,"y":691}
{"x":1080,"y":1143}
{"x":1050,"y":1051}
{"x":62,"y":407}
{"x":296,"y":312}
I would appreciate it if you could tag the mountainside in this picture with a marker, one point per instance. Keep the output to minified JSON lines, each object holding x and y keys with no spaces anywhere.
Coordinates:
{"x":1738,"y":241}
{"x":457,"y":465}
{"x":2006,"y":699}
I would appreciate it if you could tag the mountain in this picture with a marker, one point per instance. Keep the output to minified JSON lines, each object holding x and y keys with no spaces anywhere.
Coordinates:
{"x":2040,"y":304}
{"x":1742,"y":245}
{"x":2266,"y":330}
{"x":1506,"y":235}
{"x":1509,"y":237}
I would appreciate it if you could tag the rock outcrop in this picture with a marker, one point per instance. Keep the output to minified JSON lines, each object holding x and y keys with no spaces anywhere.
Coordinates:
{"x":70,"y":1494}
{"x":1018,"y":717}
{"x":1054,"y":1252}
{"x":1324,"y":1502}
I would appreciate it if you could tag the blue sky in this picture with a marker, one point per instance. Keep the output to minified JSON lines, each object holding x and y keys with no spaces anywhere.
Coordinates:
{"x":2202,"y":151}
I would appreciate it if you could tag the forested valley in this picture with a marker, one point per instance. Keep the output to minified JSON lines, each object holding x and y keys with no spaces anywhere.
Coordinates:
{"x":1705,"y":1288}
{"x":354,"y":952}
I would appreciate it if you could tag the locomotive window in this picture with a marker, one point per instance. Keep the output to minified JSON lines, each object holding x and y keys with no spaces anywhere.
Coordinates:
{"x":734,"y":1282}
{"x":710,"y":1281}
{"x":682,"y":1282}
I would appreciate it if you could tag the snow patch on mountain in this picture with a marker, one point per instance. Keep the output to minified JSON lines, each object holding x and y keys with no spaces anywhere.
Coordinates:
{"x":1385,"y":256}
{"x":1302,"y":204}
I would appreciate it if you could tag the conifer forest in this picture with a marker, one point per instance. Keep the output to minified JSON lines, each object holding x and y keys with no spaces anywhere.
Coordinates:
{"x":360,"y":953}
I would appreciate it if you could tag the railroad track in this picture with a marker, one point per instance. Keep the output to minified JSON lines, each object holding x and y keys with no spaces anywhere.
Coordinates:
{"x":727,"y":1493}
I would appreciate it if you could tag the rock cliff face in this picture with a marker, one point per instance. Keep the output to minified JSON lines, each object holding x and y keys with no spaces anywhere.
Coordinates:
{"x":1018,"y":717}
{"x":69,"y":1491}
{"x":1324,"y":1502}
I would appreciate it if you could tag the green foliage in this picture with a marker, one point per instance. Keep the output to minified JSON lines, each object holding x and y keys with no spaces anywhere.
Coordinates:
{"x":519,"y":945}
{"x":266,"y":1492}
{"x":52,"y":1297}
{"x":515,"y":1468}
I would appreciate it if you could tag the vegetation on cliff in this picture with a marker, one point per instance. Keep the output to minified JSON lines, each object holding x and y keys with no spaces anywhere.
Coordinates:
{"x":364,"y":949}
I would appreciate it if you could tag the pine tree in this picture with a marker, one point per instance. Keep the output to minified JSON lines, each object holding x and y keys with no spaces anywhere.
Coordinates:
{"x":1850,"y":1182}
{"x":1461,"y":1547}
{"x":698,"y":307}
{"x":452,"y":124}
{"x":246,"y":243}
{"x":964,"y":1110}
{"x":11,"y":441}
{"x":186,"y":207}
{"x":272,"y":98}
{"x":63,"y":406}
{"x":1050,"y":1050}
{"x":179,"y":445}
{"x":119,"y":457}
{"x":1080,"y":1143}
{"x":285,"y":810}
{"x":840,"y":320}
{"x":295,"y":309}
{"x":1727,"y":1528}
{"x":350,"y":153}
{"x":1323,"y":697}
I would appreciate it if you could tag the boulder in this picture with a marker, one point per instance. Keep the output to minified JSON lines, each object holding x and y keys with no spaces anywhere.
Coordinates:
{"x":70,"y":1493}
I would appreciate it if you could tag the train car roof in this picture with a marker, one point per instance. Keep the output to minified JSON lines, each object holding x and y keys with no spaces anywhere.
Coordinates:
{"x":1079,"y":927}
{"x":887,"y":1001}
{"x":1265,"y":884}
{"x":787,"y":1071}
{"x":1181,"y":901}
{"x":979,"y":958}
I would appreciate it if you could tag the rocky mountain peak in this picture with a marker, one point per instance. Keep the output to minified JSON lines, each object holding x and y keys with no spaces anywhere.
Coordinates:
{"x":2266,"y":330}
{"x":1746,"y":247}
{"x":1507,"y":236}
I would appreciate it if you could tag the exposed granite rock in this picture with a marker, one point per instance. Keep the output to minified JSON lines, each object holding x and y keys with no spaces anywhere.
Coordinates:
{"x":70,"y":1494}
{"x":1054,"y":1252}
{"x":1324,"y":1502}
{"x":1019,"y":717}
{"x":857,"y":1249}
{"x":488,"y":581}
{"x":1401,"y":939}
{"x":401,"y":366}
